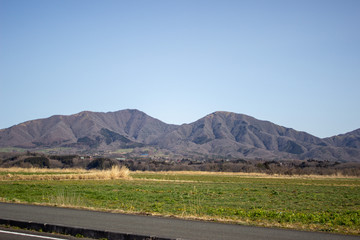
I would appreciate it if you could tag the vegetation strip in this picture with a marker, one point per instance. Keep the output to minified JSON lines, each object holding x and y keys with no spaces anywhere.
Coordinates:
{"x":115,"y":172}
{"x":310,"y":203}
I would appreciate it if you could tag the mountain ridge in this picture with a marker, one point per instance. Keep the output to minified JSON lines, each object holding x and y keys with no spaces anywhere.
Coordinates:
{"x":221,"y":134}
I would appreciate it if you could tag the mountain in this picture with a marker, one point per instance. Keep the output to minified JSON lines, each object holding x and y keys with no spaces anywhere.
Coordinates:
{"x":220,"y":134}
{"x":350,"y":139}
{"x":238,"y":135}
{"x":124,"y":128}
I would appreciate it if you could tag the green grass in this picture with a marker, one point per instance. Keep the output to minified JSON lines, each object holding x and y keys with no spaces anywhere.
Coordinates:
{"x":124,"y":150}
{"x":58,"y":149}
{"x":322,"y":204}
{"x":22,"y":150}
{"x":12,"y":149}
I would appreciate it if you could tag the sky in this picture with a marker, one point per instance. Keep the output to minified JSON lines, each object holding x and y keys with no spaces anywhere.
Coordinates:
{"x":294,"y":63}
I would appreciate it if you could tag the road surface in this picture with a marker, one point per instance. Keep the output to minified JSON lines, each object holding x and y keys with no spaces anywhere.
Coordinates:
{"x":154,"y":226}
{"x":20,"y":234}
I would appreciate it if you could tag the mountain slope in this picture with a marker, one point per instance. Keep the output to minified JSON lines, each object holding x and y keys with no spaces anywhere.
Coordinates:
{"x":85,"y":129}
{"x":351,"y":139}
{"x":222,"y":134}
{"x":241,"y":135}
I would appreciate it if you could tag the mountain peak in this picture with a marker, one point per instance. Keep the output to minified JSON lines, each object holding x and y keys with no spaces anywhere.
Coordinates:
{"x":223,"y":113}
{"x":220,"y":134}
{"x":226,"y":114}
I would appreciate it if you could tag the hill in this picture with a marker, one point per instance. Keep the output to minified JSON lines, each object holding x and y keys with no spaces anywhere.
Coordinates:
{"x":237,"y":135}
{"x":126,"y":128}
{"x":220,"y":134}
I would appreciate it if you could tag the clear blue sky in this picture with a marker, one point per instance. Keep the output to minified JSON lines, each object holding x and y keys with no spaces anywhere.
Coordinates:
{"x":295,"y":63}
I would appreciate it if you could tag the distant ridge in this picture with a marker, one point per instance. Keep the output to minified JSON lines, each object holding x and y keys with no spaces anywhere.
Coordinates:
{"x":219,"y":134}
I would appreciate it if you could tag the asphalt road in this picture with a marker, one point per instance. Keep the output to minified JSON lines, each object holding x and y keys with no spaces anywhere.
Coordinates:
{"x":15,"y":235}
{"x":20,"y":234}
{"x":154,"y":226}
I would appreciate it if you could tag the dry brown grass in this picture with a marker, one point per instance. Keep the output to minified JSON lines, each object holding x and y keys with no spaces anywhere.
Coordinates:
{"x":43,"y":170}
{"x":242,"y":174}
{"x":251,"y":175}
{"x":115,"y":172}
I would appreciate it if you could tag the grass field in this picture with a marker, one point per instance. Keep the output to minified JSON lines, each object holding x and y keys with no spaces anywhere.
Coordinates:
{"x":12,"y":149}
{"x":317,"y":203}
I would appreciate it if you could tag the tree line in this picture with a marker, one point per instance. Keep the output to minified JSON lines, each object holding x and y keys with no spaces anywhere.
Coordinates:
{"x":283,"y":167}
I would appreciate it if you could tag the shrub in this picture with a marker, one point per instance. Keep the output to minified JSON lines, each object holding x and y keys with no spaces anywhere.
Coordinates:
{"x":41,"y":162}
{"x":101,"y":163}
